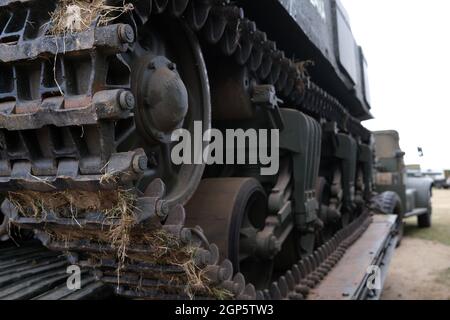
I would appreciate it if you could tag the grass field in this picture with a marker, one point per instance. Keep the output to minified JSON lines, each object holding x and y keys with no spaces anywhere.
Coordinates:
{"x":420,"y":269}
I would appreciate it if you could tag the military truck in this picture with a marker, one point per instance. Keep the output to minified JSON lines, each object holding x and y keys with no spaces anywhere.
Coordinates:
{"x":400,"y":193}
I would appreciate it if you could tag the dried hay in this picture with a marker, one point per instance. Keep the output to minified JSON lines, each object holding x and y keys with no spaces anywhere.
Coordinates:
{"x":69,"y":203}
{"x":302,"y":67}
{"x":119,"y":235}
{"x":79,"y":15}
{"x":168,"y":250}
{"x":120,"y":206}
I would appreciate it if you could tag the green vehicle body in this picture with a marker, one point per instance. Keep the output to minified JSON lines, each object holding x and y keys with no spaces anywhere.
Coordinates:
{"x":391,"y":175}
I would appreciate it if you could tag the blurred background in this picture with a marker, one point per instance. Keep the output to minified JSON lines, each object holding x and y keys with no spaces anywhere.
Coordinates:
{"x":406,"y":45}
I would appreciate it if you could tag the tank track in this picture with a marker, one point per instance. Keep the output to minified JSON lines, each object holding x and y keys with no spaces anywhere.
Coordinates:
{"x":296,"y":284}
{"x":32,"y":272}
{"x":236,"y":36}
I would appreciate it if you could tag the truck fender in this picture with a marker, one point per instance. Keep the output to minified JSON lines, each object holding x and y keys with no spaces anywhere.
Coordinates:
{"x":423,"y":187}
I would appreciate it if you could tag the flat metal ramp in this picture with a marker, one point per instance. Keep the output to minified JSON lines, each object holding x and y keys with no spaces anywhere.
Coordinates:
{"x":366,"y":261}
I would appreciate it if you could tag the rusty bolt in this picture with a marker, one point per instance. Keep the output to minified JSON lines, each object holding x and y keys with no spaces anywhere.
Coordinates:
{"x":140,"y":163}
{"x":126,"y":100}
{"x":126,"y":33}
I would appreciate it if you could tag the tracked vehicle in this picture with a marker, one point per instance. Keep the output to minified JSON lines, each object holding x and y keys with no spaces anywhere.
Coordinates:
{"x":87,"y":110}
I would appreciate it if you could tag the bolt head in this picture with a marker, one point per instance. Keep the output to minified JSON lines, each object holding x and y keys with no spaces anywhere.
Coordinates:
{"x":140,"y":163}
{"x":127,"y":101}
{"x":143,"y":161}
{"x":126,"y":33}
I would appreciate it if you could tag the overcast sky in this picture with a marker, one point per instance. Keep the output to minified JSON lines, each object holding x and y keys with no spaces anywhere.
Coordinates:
{"x":407,"y":46}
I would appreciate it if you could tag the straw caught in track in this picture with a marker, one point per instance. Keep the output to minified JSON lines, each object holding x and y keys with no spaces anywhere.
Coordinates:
{"x":119,"y":206}
{"x":72,"y":16}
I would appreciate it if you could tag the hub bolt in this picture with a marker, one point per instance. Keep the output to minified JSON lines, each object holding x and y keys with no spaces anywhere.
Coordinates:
{"x":126,"y":33}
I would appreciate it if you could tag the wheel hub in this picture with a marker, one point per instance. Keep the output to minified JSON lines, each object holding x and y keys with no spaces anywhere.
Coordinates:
{"x":162,"y":99}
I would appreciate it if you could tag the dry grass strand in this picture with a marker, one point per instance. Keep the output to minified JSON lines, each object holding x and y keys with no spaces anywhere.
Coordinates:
{"x":72,"y":16}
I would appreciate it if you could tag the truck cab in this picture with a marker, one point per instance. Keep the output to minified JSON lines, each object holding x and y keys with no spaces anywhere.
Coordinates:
{"x":407,"y":195}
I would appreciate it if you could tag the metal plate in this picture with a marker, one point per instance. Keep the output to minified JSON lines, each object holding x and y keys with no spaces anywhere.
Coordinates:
{"x":349,"y":276}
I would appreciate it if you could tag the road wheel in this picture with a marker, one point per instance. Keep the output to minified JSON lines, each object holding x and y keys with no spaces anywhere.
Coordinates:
{"x":232,"y":211}
{"x":424,"y":220}
{"x":389,"y":202}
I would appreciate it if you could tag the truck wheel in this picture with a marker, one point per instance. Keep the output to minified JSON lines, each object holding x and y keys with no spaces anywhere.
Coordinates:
{"x":424,"y":220}
{"x":389,"y":202}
